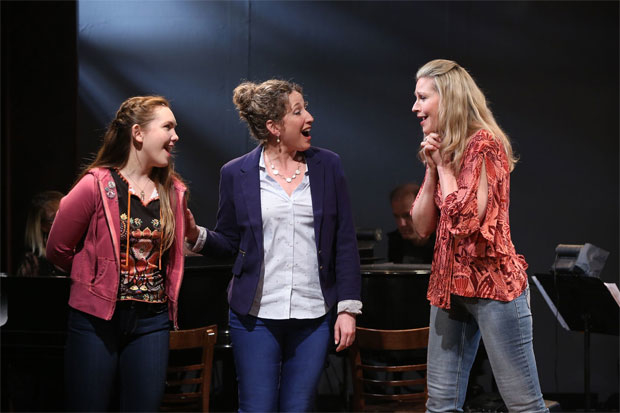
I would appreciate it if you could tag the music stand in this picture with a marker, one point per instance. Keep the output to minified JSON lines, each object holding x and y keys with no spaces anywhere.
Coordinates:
{"x":581,"y":303}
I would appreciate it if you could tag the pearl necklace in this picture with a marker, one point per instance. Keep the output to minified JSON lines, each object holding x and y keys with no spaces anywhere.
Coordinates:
{"x":277,"y":173}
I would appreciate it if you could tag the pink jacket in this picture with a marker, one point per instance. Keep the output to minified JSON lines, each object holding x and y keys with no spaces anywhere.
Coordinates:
{"x":85,"y":240}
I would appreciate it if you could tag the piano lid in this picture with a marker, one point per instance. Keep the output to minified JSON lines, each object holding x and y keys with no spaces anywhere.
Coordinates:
{"x":395,"y":269}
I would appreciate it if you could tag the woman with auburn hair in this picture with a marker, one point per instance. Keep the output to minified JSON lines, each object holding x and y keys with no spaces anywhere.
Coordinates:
{"x":478,"y":286}
{"x":120,"y":233}
{"x":284,"y":212}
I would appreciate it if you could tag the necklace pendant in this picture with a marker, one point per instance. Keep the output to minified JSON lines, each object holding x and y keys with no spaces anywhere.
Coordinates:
{"x":142,"y":195}
{"x":288,"y":179}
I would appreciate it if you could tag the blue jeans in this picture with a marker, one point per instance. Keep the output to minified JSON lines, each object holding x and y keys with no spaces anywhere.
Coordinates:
{"x":279,"y":362}
{"x":127,"y":355}
{"x":506,"y":328}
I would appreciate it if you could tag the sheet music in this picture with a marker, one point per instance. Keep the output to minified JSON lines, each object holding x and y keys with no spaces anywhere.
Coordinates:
{"x":550,"y":303}
{"x":615,"y":293}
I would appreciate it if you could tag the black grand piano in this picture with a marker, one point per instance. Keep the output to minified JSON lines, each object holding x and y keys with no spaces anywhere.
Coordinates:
{"x":32,"y":335}
{"x":394,"y":296}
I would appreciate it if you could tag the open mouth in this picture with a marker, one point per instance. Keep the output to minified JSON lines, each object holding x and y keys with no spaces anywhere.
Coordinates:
{"x":306,"y":132}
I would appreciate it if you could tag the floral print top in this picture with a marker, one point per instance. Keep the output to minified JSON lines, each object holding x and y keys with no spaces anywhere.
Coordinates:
{"x":473,"y":258}
{"x":142,"y":272}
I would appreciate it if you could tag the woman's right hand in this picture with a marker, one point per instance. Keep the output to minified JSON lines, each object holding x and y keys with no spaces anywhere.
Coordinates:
{"x":430,"y":149}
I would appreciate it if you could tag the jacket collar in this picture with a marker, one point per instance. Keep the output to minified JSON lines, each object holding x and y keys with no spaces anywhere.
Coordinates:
{"x":316,"y":172}
{"x":250,"y":185}
{"x":109,"y":197}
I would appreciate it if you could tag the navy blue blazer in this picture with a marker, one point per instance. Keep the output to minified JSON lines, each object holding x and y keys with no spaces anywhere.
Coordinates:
{"x":239,"y":228}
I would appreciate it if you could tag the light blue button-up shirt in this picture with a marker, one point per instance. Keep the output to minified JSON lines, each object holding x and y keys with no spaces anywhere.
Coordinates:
{"x":289,"y":285}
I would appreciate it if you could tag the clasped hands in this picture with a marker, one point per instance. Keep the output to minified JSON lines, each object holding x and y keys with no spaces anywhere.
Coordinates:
{"x":430,"y":150}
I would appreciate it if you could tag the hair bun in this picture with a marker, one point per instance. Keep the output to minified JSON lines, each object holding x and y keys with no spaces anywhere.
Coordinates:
{"x":243,"y":95}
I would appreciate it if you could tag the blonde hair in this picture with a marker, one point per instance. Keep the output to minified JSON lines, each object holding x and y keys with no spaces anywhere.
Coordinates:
{"x":114,"y":153}
{"x":258,"y":103}
{"x":34,"y":238}
{"x":463,"y":110}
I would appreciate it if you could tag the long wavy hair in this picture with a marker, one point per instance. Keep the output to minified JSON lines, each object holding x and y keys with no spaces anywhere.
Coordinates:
{"x":114,"y":153}
{"x":463,"y":110}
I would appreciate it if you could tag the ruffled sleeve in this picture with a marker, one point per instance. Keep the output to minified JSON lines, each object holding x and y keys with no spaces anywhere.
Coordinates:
{"x":461,"y":206}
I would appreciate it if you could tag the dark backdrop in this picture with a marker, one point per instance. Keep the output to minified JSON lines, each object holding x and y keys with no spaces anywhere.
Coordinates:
{"x":549,"y":69}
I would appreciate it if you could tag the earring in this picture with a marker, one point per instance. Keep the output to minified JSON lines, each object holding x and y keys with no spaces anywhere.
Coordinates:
{"x":277,"y":139}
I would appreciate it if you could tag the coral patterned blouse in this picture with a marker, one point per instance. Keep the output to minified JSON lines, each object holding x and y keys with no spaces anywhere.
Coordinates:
{"x":473,"y":258}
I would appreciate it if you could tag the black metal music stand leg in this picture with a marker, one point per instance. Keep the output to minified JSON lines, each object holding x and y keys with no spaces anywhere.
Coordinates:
{"x":586,"y":361}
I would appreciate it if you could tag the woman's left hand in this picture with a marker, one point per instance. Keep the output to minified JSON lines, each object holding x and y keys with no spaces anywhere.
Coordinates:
{"x":344,"y":330}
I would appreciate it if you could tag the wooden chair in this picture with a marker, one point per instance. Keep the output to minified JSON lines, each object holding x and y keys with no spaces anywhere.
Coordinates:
{"x":188,"y":379}
{"x":407,"y":395}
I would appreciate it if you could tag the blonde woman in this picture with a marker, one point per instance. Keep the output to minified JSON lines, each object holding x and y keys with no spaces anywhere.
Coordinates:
{"x":120,"y":233}
{"x":41,"y":215}
{"x":478,"y":286}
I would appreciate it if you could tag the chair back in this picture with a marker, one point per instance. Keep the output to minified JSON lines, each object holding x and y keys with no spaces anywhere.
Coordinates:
{"x":188,"y":380}
{"x":382,"y":383}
